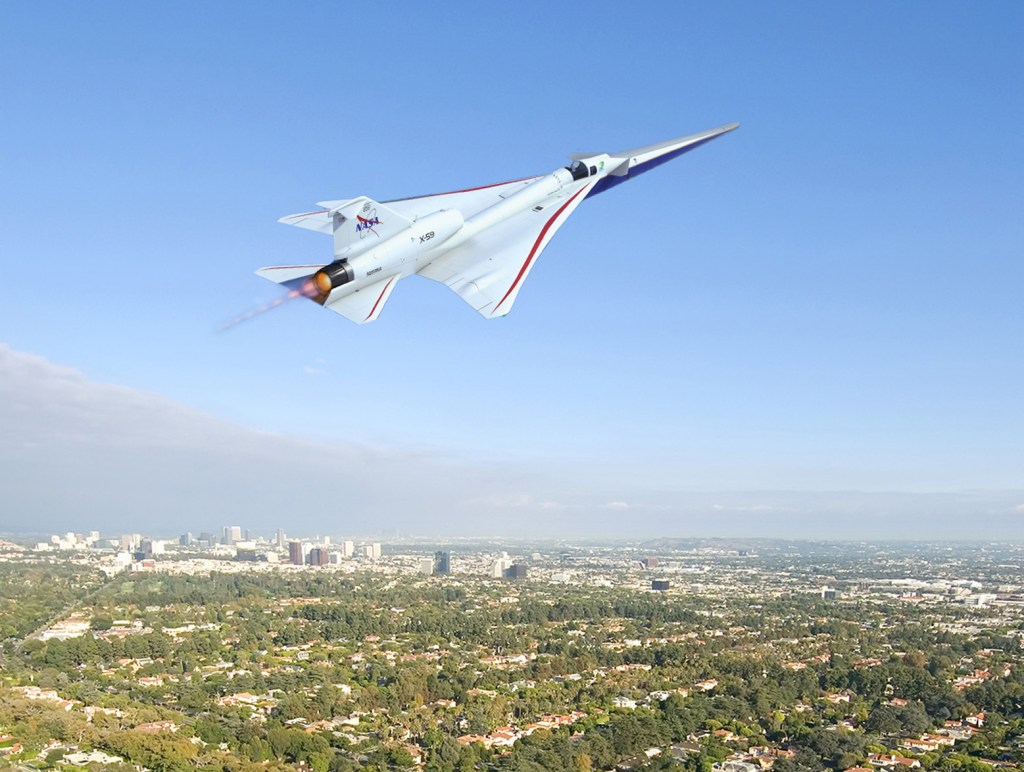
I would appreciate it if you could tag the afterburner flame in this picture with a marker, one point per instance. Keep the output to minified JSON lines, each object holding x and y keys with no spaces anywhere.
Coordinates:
{"x":307,"y":290}
{"x":321,"y":283}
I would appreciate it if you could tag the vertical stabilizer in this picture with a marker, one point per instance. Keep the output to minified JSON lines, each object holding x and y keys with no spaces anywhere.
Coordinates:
{"x":361,"y":223}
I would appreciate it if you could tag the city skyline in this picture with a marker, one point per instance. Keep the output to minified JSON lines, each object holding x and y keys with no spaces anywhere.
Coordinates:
{"x":770,"y":656}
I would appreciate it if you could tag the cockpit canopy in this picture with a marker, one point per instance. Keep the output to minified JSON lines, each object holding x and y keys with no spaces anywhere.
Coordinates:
{"x":579,"y":170}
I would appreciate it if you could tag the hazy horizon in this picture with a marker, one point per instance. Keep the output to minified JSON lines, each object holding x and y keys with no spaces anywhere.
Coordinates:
{"x":79,"y":454}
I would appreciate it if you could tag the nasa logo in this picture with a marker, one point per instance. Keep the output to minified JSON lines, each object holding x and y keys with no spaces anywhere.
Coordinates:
{"x":366,"y":224}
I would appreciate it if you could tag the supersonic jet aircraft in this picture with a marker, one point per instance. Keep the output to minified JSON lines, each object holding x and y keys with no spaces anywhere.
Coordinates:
{"x":480,"y":242}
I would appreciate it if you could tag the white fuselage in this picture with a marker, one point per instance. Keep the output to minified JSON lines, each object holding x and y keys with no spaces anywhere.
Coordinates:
{"x":433,"y":235}
{"x":404,"y":252}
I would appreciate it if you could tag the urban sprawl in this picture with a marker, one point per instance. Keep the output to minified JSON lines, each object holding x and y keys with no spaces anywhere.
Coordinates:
{"x":237,"y":652}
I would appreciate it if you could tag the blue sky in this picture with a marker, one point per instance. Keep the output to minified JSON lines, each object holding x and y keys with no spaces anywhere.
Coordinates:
{"x":827,"y":300}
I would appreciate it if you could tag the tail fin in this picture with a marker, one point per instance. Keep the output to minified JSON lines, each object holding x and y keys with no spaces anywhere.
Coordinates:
{"x":360,"y":222}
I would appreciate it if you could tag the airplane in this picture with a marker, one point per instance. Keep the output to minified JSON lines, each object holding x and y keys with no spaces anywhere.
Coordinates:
{"x":481,"y":242}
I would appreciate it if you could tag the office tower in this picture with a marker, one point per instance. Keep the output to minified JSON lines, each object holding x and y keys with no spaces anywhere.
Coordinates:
{"x":442,"y":562}
{"x":516,"y":571}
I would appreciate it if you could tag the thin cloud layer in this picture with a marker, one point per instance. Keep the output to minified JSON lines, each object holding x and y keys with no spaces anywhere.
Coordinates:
{"x":80,"y":454}
{"x":77,"y":454}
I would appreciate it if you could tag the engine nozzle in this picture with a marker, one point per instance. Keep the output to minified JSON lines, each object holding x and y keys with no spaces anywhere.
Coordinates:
{"x":332,"y":276}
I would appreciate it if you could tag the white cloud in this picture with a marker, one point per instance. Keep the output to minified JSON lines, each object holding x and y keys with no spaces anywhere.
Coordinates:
{"x":506,"y":501}
{"x":553,"y":506}
{"x":77,"y":454}
{"x":316,"y":369}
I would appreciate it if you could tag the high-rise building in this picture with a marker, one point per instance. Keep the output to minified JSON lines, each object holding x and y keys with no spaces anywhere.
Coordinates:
{"x":185,"y":540}
{"x":516,"y":571}
{"x":659,"y":584}
{"x":442,"y":562}
{"x":295,"y":556}
{"x":500,"y":566}
{"x":649,"y":562}
{"x":130,"y":541}
{"x":425,"y":566}
{"x":282,"y":540}
{"x":232,"y":534}
{"x":348,"y":548}
{"x":319,"y":556}
{"x":372,"y":551}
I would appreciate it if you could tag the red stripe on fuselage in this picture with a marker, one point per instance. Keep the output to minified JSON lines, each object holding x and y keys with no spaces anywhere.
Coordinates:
{"x":379,"y":298}
{"x":429,"y":195}
{"x":307,"y":214}
{"x":466,"y":190}
{"x":536,"y":245}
